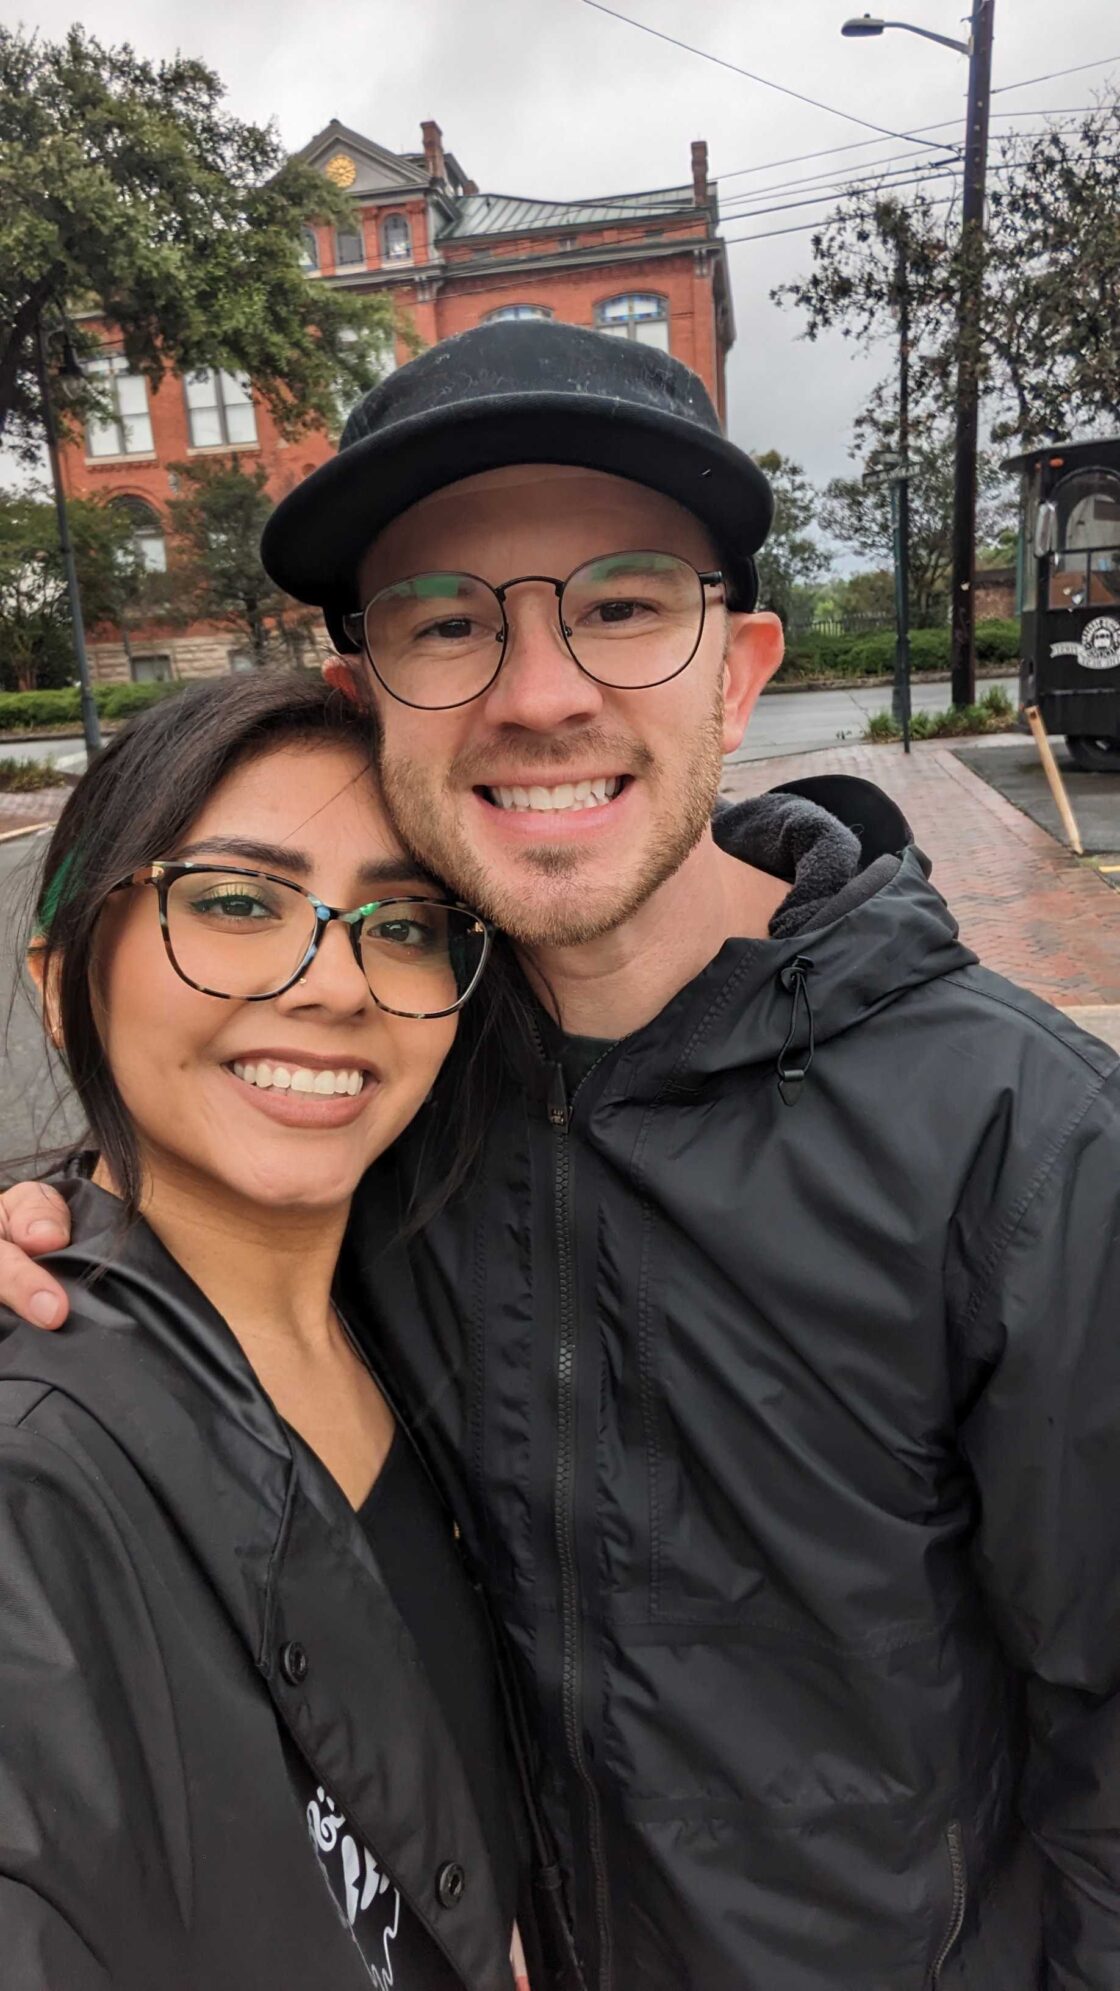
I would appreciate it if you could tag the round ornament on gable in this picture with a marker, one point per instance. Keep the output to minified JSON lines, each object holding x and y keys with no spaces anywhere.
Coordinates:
{"x":341,"y":170}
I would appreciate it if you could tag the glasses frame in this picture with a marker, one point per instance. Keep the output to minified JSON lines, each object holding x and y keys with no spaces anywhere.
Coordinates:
{"x":164,"y":874}
{"x":354,"y":622}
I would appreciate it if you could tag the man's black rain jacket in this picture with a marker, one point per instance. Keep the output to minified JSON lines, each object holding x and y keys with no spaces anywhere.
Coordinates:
{"x":790,"y":1414}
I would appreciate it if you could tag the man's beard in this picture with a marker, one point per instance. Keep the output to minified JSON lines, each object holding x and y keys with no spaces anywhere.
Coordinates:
{"x":567,"y":913}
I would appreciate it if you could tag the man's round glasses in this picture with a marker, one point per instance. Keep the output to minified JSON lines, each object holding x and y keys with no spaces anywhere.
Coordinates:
{"x":629,"y":620}
{"x":247,"y":935}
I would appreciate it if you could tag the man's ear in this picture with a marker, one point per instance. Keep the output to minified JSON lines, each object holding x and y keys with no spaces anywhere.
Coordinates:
{"x":47,"y":986}
{"x":342,"y":674}
{"x":755,"y":647}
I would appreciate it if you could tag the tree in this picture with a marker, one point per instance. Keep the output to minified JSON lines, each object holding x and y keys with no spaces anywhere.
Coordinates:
{"x":791,"y":559}
{"x":856,"y":510}
{"x":1049,"y":358}
{"x":35,"y":637}
{"x":127,"y":190}
{"x":216,"y":574}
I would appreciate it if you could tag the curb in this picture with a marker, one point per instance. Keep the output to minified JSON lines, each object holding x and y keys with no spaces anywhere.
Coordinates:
{"x":25,"y":829}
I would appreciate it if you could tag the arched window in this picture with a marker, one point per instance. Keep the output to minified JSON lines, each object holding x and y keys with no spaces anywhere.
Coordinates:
{"x":348,"y":246}
{"x":396,"y":239}
{"x":309,"y":251}
{"x":147,"y":532}
{"x":643,"y":316}
{"x":1085,"y":570}
{"x":518,"y":311}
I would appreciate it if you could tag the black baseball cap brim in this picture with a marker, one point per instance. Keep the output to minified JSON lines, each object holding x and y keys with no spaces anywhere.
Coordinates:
{"x":422,"y":437}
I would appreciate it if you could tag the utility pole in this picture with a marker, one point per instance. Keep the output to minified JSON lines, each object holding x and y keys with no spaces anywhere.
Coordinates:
{"x":91,"y":725}
{"x":900,"y":498}
{"x":963,"y":605}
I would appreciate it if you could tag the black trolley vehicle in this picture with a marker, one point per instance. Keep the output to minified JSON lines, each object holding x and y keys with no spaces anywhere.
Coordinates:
{"x":1069,"y":594}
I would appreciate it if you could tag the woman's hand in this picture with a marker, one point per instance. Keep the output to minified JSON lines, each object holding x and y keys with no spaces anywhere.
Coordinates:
{"x":33,"y":1219}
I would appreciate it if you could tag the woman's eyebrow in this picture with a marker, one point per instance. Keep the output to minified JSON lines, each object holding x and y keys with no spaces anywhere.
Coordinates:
{"x":400,"y":870}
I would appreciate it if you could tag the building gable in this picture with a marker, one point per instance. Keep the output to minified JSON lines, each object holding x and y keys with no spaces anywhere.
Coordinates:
{"x":360,"y":166}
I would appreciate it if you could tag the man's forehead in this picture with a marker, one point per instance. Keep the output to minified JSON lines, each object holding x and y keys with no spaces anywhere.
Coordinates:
{"x":522,"y":491}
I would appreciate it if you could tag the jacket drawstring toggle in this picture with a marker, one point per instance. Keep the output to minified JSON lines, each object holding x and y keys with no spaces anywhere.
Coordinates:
{"x":794,"y":1066}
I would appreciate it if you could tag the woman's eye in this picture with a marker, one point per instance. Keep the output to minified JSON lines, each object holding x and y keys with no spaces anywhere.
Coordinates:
{"x":401,"y":933}
{"x":231,"y":906}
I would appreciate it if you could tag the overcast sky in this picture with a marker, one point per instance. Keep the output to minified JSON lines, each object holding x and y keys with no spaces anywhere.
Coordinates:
{"x":553,"y":99}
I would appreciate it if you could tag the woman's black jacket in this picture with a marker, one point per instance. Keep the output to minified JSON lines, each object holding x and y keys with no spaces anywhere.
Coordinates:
{"x":181,"y":1582}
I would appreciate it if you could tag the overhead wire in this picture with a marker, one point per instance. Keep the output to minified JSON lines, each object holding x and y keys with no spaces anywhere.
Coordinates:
{"x":767,"y":82}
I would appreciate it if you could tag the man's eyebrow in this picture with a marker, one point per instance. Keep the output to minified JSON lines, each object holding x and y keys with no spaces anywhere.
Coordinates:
{"x":379,"y":871}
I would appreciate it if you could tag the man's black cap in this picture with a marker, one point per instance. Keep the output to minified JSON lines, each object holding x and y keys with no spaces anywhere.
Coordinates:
{"x":516,"y":392}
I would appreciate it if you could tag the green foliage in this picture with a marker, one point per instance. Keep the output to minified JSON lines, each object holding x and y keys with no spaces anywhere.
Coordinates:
{"x":23,"y":777}
{"x":36,"y":645}
{"x":28,"y":710}
{"x":813,"y":656}
{"x":1048,"y":357}
{"x":129,"y":189}
{"x":216,"y":573}
{"x":993,"y":713}
{"x":792,"y":558}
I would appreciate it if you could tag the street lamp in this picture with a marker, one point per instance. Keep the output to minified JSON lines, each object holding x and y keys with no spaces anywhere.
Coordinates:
{"x":862,"y":25}
{"x":978,"y":49}
{"x":70,"y":371}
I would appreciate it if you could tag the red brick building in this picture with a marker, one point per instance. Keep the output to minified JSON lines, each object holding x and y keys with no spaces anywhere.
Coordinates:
{"x":645,"y":266}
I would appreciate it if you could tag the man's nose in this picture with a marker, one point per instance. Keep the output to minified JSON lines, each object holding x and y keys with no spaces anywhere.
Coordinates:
{"x":540,"y":686}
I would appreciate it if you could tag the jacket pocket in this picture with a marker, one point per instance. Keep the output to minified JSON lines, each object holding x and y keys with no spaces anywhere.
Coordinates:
{"x":954,"y":1842}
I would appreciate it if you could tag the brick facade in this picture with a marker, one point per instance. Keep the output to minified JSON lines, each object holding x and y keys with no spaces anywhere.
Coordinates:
{"x":449,"y":256}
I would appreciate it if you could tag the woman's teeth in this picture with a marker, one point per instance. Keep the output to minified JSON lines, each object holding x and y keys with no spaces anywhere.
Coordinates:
{"x":569,"y":795}
{"x":299,"y":1078}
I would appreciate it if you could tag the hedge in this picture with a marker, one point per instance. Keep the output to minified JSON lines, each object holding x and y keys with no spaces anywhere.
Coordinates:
{"x":873,"y":656}
{"x":27,"y":709}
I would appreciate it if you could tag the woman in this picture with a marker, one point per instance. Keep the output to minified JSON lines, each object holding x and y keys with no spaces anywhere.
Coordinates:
{"x":249,"y":1715}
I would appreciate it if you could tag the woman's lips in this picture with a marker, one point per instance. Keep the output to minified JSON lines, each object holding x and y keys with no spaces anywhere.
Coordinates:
{"x":299,"y":1108}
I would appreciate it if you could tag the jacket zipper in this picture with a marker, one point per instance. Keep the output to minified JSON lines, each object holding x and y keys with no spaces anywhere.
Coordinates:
{"x":565,"y":1527}
{"x":955,"y":1843}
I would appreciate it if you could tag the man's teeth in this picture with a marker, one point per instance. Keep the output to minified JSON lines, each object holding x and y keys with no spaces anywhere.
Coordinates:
{"x":569,"y":795}
{"x":299,"y":1078}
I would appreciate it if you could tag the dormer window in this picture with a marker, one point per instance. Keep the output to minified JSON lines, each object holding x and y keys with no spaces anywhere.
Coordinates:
{"x":396,"y":239}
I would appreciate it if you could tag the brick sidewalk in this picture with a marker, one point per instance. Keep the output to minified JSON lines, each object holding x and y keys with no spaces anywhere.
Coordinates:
{"x":28,"y":811}
{"x":1031,"y":911}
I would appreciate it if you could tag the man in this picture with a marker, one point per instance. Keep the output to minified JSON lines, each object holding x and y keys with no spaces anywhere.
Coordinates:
{"x":774,"y":1346}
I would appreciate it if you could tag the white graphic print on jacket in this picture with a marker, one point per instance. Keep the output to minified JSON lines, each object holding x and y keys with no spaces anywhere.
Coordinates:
{"x":365,"y":1896}
{"x":356,"y":1888}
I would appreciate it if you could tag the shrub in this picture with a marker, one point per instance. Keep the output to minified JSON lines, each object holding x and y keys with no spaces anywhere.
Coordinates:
{"x":19,"y":777}
{"x":994,"y":713}
{"x":21,"y":710}
{"x":822,"y":656}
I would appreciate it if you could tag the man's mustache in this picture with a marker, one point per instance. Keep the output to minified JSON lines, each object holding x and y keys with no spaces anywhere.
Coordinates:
{"x":610,"y":753}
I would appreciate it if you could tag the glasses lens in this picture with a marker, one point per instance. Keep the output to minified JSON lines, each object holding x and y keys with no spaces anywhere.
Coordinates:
{"x":237,"y":935}
{"x":436,"y":639}
{"x":633,"y":619}
{"x":420,"y":958}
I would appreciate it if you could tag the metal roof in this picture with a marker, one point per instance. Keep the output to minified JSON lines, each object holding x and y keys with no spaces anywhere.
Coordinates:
{"x":509,"y":214}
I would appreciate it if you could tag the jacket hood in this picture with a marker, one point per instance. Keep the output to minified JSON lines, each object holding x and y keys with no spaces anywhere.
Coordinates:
{"x":861,"y":927}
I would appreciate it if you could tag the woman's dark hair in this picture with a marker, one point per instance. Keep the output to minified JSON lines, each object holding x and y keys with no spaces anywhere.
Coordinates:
{"x":134,"y":805}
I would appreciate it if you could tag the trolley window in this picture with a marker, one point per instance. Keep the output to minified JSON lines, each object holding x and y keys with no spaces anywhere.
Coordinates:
{"x":1085,"y":567}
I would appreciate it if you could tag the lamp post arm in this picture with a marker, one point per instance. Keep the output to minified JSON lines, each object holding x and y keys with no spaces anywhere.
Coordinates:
{"x":929,"y":34}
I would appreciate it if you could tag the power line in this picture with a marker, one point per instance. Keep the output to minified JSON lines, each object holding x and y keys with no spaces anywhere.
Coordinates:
{"x":860,"y":144}
{"x":1101,"y":62}
{"x":865,"y":173}
{"x":752,"y":75}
